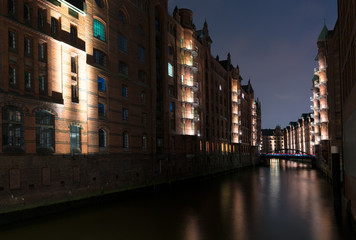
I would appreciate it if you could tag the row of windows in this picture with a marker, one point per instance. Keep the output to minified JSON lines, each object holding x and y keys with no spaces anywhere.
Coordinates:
{"x":28,"y":80}
{"x":28,"y":46}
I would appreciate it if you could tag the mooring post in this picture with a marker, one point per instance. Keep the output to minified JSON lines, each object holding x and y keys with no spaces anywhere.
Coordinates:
{"x":336,"y":178}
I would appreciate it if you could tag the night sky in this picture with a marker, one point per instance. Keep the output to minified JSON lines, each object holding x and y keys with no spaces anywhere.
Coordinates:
{"x":274,"y":44}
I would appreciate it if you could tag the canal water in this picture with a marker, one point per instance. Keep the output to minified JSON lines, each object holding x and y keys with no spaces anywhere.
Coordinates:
{"x":282,"y":201}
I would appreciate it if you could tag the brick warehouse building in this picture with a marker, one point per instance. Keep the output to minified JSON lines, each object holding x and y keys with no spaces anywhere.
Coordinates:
{"x":100,"y":96}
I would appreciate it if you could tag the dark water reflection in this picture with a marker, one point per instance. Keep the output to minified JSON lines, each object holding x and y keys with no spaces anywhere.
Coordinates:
{"x":282,"y":201}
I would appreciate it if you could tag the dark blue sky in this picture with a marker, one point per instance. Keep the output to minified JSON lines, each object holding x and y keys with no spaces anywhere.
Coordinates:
{"x":273,"y":42}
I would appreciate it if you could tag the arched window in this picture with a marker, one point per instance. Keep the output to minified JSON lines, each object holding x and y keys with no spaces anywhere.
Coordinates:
{"x":144,"y":142}
{"x":125,"y":141}
{"x":12,"y":129}
{"x":44,"y":132}
{"x":27,"y":12}
{"x":102,"y":138}
{"x":99,"y":29}
{"x":122,"y":17}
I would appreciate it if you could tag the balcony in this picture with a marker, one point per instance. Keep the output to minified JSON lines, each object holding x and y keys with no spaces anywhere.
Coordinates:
{"x":194,"y":67}
{"x":196,"y":118}
{"x":324,"y":108}
{"x":192,"y":50}
{"x":196,"y":102}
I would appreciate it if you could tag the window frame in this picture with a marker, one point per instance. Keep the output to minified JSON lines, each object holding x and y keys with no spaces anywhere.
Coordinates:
{"x":99,"y":27}
{"x":45,"y":131}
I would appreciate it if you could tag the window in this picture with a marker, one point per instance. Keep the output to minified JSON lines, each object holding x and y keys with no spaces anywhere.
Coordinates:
{"x":102,"y":138}
{"x":170,"y":51}
{"x":101,"y":110}
{"x":54,"y":26}
{"x":74,"y":90}
{"x":125,"y":114}
{"x":181,"y":43}
{"x":99,"y":30}
{"x":27,"y":12}
{"x":144,"y":143}
{"x":141,"y":76}
{"x":101,"y":84}
{"x":73,"y":64}
{"x":144,"y":119}
{"x":12,"y":128}
{"x":125,"y":140}
{"x":12,"y":76}
{"x":122,"y":17}
{"x":42,"y":51}
{"x":99,"y":58}
{"x":124,"y":91}
{"x":171,"y":90}
{"x":42,"y":83}
{"x":44,"y":132}
{"x":75,"y":141}
{"x":122,"y":43}
{"x":40,"y":19}
{"x":73,"y":34}
{"x":12,"y":40}
{"x":27,"y":46}
{"x":170,"y":70}
{"x":28,"y":82}
{"x":140,"y":30}
{"x":99,"y":3}
{"x":143,"y":98}
{"x":11,"y":6}
{"x":141,"y":54}
{"x":123,"y":69}
{"x":171,"y":106}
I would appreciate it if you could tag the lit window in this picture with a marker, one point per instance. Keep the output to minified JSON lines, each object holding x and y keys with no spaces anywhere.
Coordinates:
{"x":99,"y":30}
{"x":122,"y":43}
{"x":243,"y":96}
{"x":101,"y":110}
{"x":44,"y":132}
{"x":41,"y":51}
{"x":125,"y":140}
{"x":102,"y":138}
{"x":101,"y":84}
{"x":12,"y":128}
{"x":75,"y":141}
{"x":170,"y":70}
{"x":125,"y":114}
{"x":74,"y":90}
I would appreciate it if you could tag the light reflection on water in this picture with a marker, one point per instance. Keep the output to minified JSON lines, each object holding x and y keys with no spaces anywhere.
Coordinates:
{"x":286,"y":200}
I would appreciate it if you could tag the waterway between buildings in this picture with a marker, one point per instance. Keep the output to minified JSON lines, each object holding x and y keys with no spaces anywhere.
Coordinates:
{"x":282,"y":201}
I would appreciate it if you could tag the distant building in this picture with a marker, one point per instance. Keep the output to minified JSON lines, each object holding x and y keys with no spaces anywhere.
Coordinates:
{"x":272,"y":140}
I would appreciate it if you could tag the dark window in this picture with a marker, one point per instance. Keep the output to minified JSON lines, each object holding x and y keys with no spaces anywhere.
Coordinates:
{"x":73,"y":34}
{"x":40,"y":19}
{"x":28,"y":47}
{"x":101,"y":84}
{"x":99,"y":3}
{"x":122,"y":17}
{"x":75,"y":139}
{"x":141,"y":54}
{"x":73,"y":64}
{"x":12,"y":128}
{"x":27,"y":12}
{"x":122,"y":43}
{"x":143,"y":98}
{"x":101,"y":110}
{"x":170,"y":51}
{"x":42,"y":51}
{"x":99,"y":57}
{"x":54,"y":26}
{"x":44,"y":132}
{"x":123,"y":68}
{"x":124,"y":91}
{"x":11,"y":6}
{"x":12,"y":76}
{"x":125,"y":114}
{"x":12,"y":40}
{"x":125,"y":140}
{"x":140,"y":30}
{"x":28,"y":80}
{"x":142,"y":76}
{"x":144,"y":143}
{"x":42,"y":83}
{"x":74,"y":90}
{"x":102,"y":138}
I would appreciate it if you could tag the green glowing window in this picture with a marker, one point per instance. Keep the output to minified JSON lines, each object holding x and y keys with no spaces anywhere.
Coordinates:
{"x":170,"y":70}
{"x":99,"y":30}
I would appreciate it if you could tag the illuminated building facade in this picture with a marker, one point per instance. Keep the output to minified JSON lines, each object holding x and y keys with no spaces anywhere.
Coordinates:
{"x":273,"y":139}
{"x":299,"y":135}
{"x":101,"y":95}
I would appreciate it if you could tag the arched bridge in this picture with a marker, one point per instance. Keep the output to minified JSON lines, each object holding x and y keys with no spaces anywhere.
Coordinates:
{"x":290,"y":154}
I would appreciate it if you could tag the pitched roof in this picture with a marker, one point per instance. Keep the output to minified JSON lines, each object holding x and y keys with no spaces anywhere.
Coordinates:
{"x":323,"y":33}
